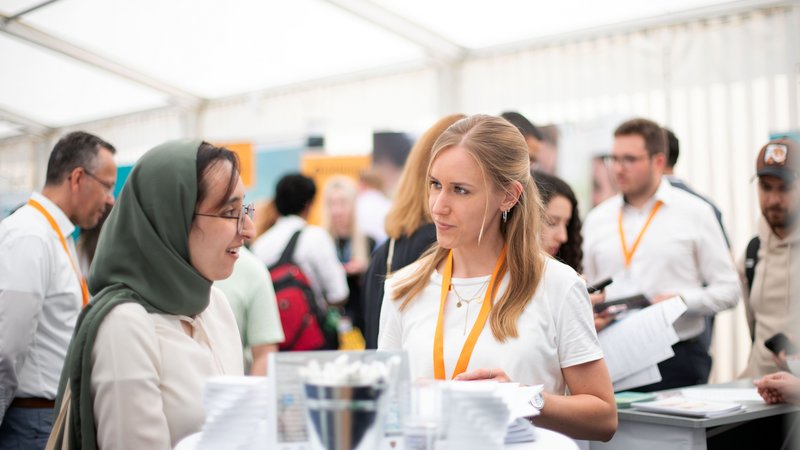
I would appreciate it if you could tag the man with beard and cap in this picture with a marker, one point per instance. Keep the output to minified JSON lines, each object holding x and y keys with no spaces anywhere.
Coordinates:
{"x":771,"y":295}
{"x":42,"y":289}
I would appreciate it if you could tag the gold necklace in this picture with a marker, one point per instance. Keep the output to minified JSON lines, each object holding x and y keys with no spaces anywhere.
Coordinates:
{"x":461,"y":299}
{"x":479,"y":294}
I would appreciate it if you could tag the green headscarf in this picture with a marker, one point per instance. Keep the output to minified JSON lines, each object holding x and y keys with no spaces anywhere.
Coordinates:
{"x":143,"y":257}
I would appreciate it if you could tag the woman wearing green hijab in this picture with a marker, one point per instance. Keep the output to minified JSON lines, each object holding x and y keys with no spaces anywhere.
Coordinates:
{"x":155,"y":329}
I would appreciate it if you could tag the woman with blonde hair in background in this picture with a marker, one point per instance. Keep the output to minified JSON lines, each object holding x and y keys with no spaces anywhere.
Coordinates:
{"x":352,"y":246}
{"x":486,"y":302}
{"x":408,"y":226}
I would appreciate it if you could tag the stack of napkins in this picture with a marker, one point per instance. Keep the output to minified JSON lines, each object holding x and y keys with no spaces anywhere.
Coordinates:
{"x":688,"y":407}
{"x":520,"y":430}
{"x":236,"y":410}
{"x":517,"y":398}
{"x":476,"y":416}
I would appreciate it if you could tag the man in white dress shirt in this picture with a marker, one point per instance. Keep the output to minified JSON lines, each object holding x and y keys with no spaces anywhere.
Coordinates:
{"x":42,"y":289}
{"x":660,"y":241}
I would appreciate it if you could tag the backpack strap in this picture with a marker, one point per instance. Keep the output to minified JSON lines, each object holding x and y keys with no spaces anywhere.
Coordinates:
{"x":750,"y":261}
{"x":288,"y":252}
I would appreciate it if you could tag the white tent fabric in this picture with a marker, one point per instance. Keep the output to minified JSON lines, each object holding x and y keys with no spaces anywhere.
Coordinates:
{"x":722,"y":75}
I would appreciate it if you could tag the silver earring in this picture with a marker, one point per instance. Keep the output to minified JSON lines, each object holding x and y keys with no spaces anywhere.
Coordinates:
{"x":505,"y":216}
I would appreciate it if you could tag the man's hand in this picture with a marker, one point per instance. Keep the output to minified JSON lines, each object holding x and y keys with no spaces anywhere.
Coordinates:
{"x":779,"y":387}
{"x":603,"y":319}
{"x":660,"y":298}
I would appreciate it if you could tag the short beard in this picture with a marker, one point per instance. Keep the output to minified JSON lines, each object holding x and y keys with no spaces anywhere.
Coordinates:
{"x":788,"y":223}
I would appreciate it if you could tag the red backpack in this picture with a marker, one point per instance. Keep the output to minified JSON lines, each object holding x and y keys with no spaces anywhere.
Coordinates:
{"x":301,"y":317}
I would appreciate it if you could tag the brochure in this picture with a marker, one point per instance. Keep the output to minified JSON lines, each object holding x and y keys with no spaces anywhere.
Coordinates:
{"x":688,"y":407}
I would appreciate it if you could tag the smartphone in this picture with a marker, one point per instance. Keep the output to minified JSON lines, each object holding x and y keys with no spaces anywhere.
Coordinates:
{"x":599,"y":286}
{"x":622,"y":304}
{"x":780,"y":342}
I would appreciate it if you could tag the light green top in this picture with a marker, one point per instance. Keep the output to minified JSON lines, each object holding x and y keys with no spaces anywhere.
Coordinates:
{"x":252,"y":299}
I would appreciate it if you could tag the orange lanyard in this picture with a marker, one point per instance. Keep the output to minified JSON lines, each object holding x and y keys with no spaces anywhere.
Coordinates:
{"x":472,"y":339}
{"x":629,"y":253}
{"x":54,"y":225}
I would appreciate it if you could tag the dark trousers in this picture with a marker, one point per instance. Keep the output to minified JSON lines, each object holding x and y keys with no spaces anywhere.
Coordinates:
{"x":26,"y":428}
{"x":689,"y":367}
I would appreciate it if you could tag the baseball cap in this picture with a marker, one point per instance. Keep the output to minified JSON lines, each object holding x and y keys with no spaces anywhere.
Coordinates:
{"x":779,"y":159}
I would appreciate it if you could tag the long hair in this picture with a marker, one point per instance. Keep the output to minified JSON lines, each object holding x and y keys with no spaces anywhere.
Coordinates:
{"x":550,"y":186}
{"x":409,"y":209}
{"x":346,"y":185}
{"x":502,"y":155}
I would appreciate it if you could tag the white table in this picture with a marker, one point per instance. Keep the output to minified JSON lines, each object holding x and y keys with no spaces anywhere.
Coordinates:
{"x":547,"y":440}
{"x":652,"y":431}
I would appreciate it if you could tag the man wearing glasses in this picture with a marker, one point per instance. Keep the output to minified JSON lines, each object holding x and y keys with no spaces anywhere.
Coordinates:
{"x":42,"y":289}
{"x":659,"y":241}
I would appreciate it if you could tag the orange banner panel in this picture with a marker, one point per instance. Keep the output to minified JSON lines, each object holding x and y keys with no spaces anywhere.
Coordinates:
{"x":322,"y":167}
{"x":246,"y":160}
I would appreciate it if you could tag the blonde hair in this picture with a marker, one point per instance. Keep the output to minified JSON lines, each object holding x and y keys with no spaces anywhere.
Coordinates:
{"x":409,"y":209}
{"x":346,"y":185}
{"x":502,"y":155}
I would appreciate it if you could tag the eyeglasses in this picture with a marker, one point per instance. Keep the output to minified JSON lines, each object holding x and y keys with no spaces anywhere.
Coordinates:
{"x":109,"y":186}
{"x":247,"y":210}
{"x":625,"y":161}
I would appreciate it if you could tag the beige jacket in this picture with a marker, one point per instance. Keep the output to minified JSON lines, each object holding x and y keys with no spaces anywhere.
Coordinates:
{"x":773,"y":304}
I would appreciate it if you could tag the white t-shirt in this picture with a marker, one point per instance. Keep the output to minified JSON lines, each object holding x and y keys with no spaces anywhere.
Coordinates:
{"x":315,"y":253}
{"x":371,"y":210}
{"x":555,"y":330}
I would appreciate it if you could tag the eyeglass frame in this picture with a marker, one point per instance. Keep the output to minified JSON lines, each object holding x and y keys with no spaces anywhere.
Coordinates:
{"x":247,"y":210}
{"x":625,"y":160}
{"x":109,"y":186}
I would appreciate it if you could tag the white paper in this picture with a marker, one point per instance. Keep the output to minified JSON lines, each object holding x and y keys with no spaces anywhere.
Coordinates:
{"x":688,"y":407}
{"x":644,"y":377}
{"x":723,"y":394}
{"x":517,"y":397}
{"x":520,"y":430}
{"x":641,"y":340}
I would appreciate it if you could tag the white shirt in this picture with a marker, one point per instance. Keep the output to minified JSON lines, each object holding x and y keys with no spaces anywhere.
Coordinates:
{"x":371,"y":210}
{"x":34,"y":343}
{"x":556,"y":329}
{"x":682,"y":252}
{"x":315,"y":253}
{"x":148,"y":375}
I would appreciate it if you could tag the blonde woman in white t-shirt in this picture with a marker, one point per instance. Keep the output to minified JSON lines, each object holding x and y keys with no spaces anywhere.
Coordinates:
{"x":487,"y":303}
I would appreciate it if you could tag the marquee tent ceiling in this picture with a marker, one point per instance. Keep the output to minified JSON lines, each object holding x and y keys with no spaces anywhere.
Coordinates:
{"x":70,"y":61}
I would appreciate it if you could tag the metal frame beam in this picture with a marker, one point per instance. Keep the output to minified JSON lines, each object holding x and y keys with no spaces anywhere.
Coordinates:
{"x":35,"y":36}
{"x":436,"y":46}
{"x":31,"y":126}
{"x":29,"y":10}
{"x":673,"y":18}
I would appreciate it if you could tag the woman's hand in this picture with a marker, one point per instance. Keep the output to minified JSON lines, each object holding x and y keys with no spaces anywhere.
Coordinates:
{"x":495,"y":374}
